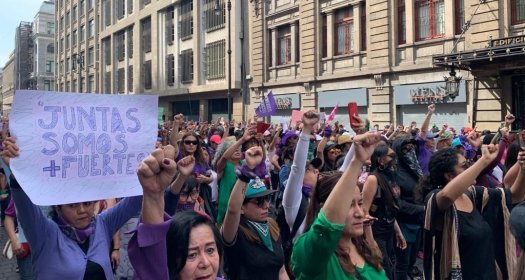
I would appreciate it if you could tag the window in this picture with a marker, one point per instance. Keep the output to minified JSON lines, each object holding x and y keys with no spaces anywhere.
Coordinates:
{"x":145,"y":2}
{"x":460,"y":16}
{"x":121,"y":8}
{"x":517,"y":11}
{"x":68,"y":87}
{"x":107,"y":82}
{"x":81,"y":7}
{"x":68,"y":40}
{"x":146,"y":74}
{"x":91,"y":56}
{"x":61,"y":23}
{"x":68,"y":18}
{"x":51,"y":48}
{"x":170,"y":25}
{"x":269,"y":48}
{"x":91,"y":4}
{"x":363,"y":26}
{"x":130,"y":42}
{"x":325,"y":35}
{"x":344,"y":31}
{"x":284,"y":45}
{"x":401,"y":22}
{"x":91,"y":83}
{"x":107,"y":12}
{"x":50,"y":28}
{"x":186,"y":19}
{"x":430,"y":19}
{"x":81,"y":85}
{"x":82,"y":34}
{"x":120,"y":80}
{"x":146,"y":34}
{"x":106,"y":45}
{"x":49,"y":66}
{"x":74,"y":86}
{"x":170,"y":68}
{"x":74,"y":38}
{"x":186,"y":66}
{"x":214,"y":18}
{"x":91,"y":28}
{"x":74,"y":14}
{"x":120,"y":41}
{"x":61,"y":44}
{"x":215,"y":53}
{"x":68,"y":64}
{"x":130,"y":6}
{"x":48,"y":85}
{"x":61,"y":67}
{"x":130,"y":78}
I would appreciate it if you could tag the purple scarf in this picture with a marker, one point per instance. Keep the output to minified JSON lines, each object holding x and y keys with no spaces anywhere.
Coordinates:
{"x":307,"y":190}
{"x":78,"y":235}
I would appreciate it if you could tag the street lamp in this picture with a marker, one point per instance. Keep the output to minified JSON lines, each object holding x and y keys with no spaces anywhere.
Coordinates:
{"x":229,"y":94}
{"x":452,"y":84}
{"x":79,"y":60}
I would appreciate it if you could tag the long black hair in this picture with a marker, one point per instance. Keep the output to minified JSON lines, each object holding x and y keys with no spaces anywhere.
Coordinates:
{"x":441,"y":162}
{"x":178,"y":239}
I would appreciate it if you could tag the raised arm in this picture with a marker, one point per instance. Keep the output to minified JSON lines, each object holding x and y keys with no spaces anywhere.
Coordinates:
{"x":185,"y":167}
{"x":155,"y":173}
{"x":460,"y":184}
{"x":369,"y":192}
{"x":426,"y":122}
{"x":340,"y":199}
{"x":253,"y":157}
{"x":322,"y":144}
{"x":221,"y":163}
{"x":174,"y":136}
{"x":292,"y":193}
{"x":518,"y":188}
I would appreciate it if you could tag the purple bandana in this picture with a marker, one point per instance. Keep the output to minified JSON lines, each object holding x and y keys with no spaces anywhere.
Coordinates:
{"x":307,"y":190}
{"x":78,"y":235}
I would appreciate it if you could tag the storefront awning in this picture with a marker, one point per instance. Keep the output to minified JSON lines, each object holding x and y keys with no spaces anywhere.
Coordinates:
{"x":498,"y":50}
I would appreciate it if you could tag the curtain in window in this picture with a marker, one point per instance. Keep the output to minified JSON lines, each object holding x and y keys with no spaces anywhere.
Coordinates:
{"x":424,"y":15}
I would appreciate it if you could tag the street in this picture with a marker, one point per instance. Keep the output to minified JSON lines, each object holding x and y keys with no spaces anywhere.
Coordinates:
{"x":7,"y":267}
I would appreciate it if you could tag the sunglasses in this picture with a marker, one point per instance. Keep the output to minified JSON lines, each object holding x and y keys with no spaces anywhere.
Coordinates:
{"x":189,"y":142}
{"x":85,"y":204}
{"x":260,"y":201}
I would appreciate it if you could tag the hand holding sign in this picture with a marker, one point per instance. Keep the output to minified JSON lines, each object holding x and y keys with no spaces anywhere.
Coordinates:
{"x":11,"y":150}
{"x":157,"y":170}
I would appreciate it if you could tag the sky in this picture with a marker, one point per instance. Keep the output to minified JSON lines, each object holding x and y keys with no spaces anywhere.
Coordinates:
{"x":12,"y":12}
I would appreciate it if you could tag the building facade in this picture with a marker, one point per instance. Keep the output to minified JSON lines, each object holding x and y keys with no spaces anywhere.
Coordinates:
{"x":43,"y":37}
{"x":317,"y":54}
{"x":8,"y":84}
{"x":175,"y":49}
{"x":77,"y":45}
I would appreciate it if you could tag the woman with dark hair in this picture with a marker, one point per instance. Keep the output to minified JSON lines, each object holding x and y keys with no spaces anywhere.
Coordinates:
{"x":191,"y":145}
{"x":380,"y":194}
{"x":185,"y":247}
{"x":460,"y":217}
{"x":252,"y":243}
{"x":74,"y":244}
{"x":183,"y":193}
{"x":334,"y":245}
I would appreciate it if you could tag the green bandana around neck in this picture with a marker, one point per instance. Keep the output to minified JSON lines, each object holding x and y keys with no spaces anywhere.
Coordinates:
{"x":263,"y":230}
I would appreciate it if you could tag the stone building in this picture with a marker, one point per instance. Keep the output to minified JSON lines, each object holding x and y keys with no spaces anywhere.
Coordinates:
{"x":175,"y":49}
{"x":8,"y":84}
{"x":43,"y":74}
{"x":389,"y":57}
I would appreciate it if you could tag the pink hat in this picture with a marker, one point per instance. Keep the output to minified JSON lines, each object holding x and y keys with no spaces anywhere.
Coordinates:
{"x":216,"y":139}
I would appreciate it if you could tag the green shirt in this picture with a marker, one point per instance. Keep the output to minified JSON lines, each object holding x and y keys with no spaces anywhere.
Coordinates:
{"x":313,"y":255}
{"x":226,"y":184}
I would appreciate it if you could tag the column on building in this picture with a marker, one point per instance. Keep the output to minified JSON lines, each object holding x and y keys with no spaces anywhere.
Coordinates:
{"x":294,"y":37}
{"x":330,"y":41}
{"x":273,"y":49}
{"x":410,"y":27}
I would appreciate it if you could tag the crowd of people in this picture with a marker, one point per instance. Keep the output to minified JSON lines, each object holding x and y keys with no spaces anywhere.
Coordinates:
{"x":308,"y":200}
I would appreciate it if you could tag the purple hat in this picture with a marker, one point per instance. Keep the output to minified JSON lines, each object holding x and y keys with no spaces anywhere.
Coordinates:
{"x":287,"y":136}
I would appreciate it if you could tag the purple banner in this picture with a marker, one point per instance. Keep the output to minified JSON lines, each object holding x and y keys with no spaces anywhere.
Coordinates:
{"x":267,"y":106}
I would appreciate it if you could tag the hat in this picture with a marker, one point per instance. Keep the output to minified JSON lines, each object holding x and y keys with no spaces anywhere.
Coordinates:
{"x":431,"y":135}
{"x":345,"y":138}
{"x":318,"y":137}
{"x":517,"y":223}
{"x":215,"y":139}
{"x":287,"y":136}
{"x":456,"y":143}
{"x":257,"y":188}
{"x":466,"y":130}
{"x":445,"y":135}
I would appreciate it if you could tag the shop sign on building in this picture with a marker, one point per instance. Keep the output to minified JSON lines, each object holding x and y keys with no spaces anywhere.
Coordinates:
{"x":427,"y":93}
{"x":287,"y":101}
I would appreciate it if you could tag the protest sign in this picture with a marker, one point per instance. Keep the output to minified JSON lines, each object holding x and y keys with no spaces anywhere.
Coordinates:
{"x":296,"y":116}
{"x":267,"y":106}
{"x":81,"y":147}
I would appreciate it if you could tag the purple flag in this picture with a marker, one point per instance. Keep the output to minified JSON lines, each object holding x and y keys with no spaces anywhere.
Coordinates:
{"x":267,"y":106}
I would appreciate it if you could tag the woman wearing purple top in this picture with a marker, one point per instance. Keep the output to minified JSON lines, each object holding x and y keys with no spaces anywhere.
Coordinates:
{"x":75,"y":243}
{"x":184,"y":247}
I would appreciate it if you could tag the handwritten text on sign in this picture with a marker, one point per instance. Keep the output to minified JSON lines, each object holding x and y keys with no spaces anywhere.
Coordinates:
{"x":82,"y":146}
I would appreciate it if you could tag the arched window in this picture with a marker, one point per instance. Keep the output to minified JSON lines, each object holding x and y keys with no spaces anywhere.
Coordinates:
{"x":50,"y":48}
